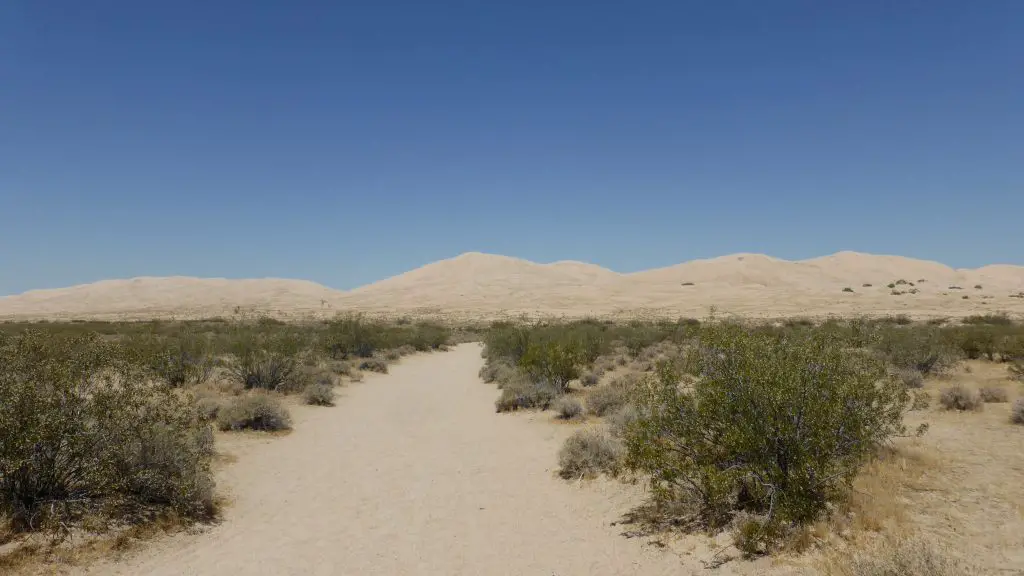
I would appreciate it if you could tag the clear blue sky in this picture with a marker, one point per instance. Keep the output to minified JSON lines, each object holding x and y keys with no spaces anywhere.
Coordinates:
{"x":344,"y":142}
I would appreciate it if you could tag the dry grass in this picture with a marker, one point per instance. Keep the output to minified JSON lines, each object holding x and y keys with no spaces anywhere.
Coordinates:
{"x":588,"y":453}
{"x":913,"y":556}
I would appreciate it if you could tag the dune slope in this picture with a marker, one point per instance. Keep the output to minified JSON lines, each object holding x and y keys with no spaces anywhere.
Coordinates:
{"x":476,"y":285}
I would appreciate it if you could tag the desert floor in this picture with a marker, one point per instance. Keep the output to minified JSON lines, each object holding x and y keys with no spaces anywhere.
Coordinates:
{"x":412,"y":473}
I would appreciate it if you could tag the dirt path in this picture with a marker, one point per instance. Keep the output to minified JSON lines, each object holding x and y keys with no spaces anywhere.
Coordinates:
{"x":412,"y":473}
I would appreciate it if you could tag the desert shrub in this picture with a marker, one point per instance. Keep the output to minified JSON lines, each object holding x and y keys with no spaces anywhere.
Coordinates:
{"x":959,"y":398}
{"x":255,"y":411}
{"x":266,"y":361}
{"x":319,"y":393}
{"x":619,"y":421}
{"x":521,"y":393}
{"x":606,"y":399}
{"x":977,"y":286}
{"x":1017,"y":412}
{"x":994,"y":395}
{"x":552,"y":361}
{"x":352,"y":336}
{"x":568,"y":408}
{"x":587,"y":453}
{"x":922,"y":348}
{"x":374,"y":365}
{"x":407,"y":350}
{"x":208,"y":407}
{"x":866,"y":285}
{"x":910,"y":377}
{"x":774,"y":426}
{"x":392,"y":355}
{"x":890,"y":285}
{"x":506,"y":341}
{"x":181,"y":360}
{"x":497,"y":371}
{"x":84,"y":430}
{"x":847,"y":289}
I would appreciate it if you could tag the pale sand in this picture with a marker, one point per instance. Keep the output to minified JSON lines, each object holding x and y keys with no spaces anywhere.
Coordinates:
{"x":412,"y":473}
{"x":482,"y":286}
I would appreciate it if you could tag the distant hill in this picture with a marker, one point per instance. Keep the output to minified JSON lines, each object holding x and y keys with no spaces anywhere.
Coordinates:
{"x":475,"y":285}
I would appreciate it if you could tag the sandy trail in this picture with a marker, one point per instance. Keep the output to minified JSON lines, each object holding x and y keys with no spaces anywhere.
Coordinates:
{"x":412,"y":473}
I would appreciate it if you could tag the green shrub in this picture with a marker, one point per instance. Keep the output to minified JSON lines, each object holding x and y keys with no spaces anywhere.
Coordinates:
{"x":255,"y":411}
{"x":775,"y":426}
{"x":994,"y":395}
{"x":348,"y":337}
{"x":83,"y":430}
{"x":568,"y":408}
{"x":960,"y":398}
{"x":921,"y":348}
{"x":182,"y":360}
{"x":587,"y":453}
{"x":552,"y":361}
{"x":319,"y":393}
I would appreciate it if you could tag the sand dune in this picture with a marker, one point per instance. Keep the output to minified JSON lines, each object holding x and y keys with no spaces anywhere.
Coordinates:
{"x":476,"y":285}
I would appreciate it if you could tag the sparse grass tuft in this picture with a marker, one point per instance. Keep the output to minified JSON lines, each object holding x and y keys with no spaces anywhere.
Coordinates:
{"x":374,"y":365}
{"x":960,"y":398}
{"x":994,"y":395}
{"x":913,"y":557}
{"x":588,"y":453}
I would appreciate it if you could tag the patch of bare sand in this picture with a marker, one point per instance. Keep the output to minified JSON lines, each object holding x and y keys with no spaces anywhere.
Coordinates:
{"x":483,"y":286}
{"x":412,"y":473}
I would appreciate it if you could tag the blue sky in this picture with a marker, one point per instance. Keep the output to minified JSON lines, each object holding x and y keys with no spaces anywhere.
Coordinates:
{"x":344,"y":142}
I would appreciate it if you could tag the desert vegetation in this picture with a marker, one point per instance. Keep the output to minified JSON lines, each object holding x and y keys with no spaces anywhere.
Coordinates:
{"x":761,"y":430}
{"x":113,"y":424}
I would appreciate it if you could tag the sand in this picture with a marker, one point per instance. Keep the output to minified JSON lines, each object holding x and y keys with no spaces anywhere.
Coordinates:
{"x":412,"y":473}
{"x":483,"y":286}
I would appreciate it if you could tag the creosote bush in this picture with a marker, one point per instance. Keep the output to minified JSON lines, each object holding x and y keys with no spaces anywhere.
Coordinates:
{"x":255,"y":411}
{"x":960,"y":398}
{"x":588,"y":453}
{"x":774,"y":427}
{"x":82,"y":430}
